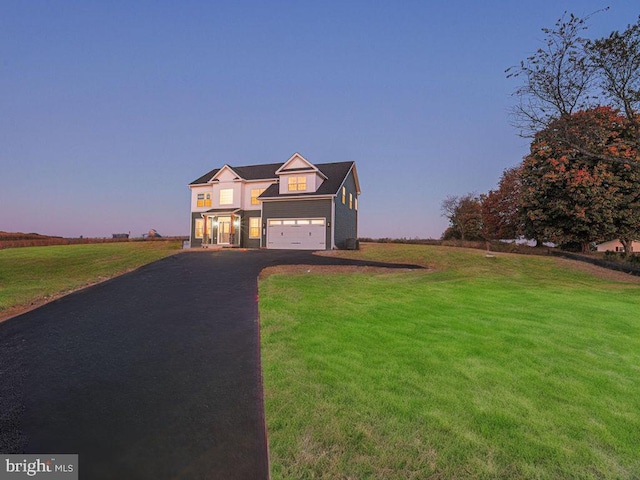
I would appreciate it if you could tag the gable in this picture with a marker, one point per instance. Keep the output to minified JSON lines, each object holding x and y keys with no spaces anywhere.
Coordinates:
{"x":297,"y":163}
{"x":225,"y":174}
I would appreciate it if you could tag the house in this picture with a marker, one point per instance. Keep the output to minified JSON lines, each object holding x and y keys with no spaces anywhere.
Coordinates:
{"x":290,"y":205}
{"x":616,"y":246}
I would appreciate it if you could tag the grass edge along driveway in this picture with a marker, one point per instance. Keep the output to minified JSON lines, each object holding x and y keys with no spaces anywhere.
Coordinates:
{"x":32,"y":276}
{"x":506,"y":367}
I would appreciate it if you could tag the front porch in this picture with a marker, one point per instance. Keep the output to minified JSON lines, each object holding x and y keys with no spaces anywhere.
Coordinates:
{"x":221,"y":228}
{"x":226,"y":228}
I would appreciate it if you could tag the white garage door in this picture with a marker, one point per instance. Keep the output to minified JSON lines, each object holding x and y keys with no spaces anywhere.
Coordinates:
{"x":297,"y":234}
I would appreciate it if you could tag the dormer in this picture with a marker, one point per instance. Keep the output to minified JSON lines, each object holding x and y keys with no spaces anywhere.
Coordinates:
{"x":297,"y":175}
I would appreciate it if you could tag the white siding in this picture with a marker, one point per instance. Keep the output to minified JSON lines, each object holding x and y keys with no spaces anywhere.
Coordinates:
{"x":194,"y":197}
{"x":237,"y":194}
{"x":246,"y":194}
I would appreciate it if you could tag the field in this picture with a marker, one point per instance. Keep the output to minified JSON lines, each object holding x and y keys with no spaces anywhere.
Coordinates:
{"x":31,"y":276}
{"x":506,"y":367}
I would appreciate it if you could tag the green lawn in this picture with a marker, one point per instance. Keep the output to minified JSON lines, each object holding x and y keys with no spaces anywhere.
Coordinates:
{"x":506,"y":367}
{"x":33,"y":274}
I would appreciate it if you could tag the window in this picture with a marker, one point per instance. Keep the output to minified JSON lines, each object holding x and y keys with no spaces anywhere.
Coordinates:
{"x":344,"y":195}
{"x":356,"y":204}
{"x":275,"y":222}
{"x":297,"y":184}
{"x":254,"y":227}
{"x":255,"y":193}
{"x":226,"y":196}
{"x":204,"y":200}
{"x":319,"y":221}
{"x":350,"y":201}
{"x":199,"y":228}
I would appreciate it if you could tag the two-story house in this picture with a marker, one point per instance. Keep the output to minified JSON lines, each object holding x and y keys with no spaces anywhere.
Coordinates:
{"x":290,"y":205}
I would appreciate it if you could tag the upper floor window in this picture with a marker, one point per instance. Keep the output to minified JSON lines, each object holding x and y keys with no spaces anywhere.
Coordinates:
{"x":344,"y":195}
{"x":297,"y":184}
{"x":226,"y":196}
{"x":255,"y":193}
{"x":204,"y":200}
{"x":350,"y":201}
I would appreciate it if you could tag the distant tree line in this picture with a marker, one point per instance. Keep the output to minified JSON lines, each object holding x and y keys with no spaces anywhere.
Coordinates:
{"x":580,"y":183}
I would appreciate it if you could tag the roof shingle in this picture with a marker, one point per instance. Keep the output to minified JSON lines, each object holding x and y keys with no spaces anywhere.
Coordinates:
{"x":335,"y":173}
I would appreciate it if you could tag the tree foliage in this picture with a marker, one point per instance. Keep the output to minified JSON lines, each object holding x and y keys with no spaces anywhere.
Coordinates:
{"x":556,"y":77}
{"x":569,"y":196}
{"x":580,"y":101}
{"x":501,"y":217}
{"x":571,"y":73}
{"x":616,"y":60}
{"x":465,"y":217}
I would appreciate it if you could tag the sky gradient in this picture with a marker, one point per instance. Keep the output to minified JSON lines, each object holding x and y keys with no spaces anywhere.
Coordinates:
{"x":109,"y":109}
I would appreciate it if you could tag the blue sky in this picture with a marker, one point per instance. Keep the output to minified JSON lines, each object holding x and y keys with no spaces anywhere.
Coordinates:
{"x":109,"y":109}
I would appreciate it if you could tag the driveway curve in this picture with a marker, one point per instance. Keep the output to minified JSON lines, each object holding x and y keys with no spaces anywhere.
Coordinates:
{"x":151,"y":375}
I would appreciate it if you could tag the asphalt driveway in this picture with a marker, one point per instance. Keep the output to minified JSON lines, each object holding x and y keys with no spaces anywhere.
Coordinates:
{"x":154,"y":374}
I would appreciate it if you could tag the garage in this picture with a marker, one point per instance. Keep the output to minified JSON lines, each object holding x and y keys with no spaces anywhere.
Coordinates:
{"x":297,"y":234}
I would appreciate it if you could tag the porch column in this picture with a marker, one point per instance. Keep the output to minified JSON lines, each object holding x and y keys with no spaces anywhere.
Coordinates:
{"x":204,"y":233}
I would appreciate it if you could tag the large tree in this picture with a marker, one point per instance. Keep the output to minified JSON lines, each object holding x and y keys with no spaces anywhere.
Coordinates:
{"x":580,"y":101}
{"x":465,"y":217}
{"x":571,"y":196}
{"x":571,"y":73}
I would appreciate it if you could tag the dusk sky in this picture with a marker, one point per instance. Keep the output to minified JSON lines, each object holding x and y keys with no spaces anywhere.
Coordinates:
{"x":109,"y":109}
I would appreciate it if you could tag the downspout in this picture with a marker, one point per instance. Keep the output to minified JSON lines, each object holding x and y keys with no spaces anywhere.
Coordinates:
{"x":333,"y":222}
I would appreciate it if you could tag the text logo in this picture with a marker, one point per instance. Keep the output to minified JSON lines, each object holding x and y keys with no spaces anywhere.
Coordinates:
{"x":49,"y":467}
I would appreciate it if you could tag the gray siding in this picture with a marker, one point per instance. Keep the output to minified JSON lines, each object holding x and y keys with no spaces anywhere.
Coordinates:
{"x":346,"y":221}
{"x":195,"y":242}
{"x":244,"y":228}
{"x":320,"y":208}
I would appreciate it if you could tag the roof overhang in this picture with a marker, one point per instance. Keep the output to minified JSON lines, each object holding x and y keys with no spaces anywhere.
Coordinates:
{"x":355,"y":177}
{"x":223,"y":169}
{"x":296,"y":197}
{"x":296,"y":158}
{"x":220,"y":212}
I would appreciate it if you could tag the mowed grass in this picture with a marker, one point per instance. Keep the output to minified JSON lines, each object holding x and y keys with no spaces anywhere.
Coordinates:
{"x":32,"y":275}
{"x":506,"y":367}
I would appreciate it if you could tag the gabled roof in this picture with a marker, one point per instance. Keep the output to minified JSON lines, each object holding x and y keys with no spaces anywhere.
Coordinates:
{"x":227,"y":168}
{"x":248,"y":172}
{"x":205,"y":178}
{"x":258,"y":172}
{"x":303,"y":165}
{"x":335,"y":174}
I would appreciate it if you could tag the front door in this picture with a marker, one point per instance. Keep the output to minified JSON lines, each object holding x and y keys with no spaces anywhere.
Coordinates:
{"x":224,"y":230}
